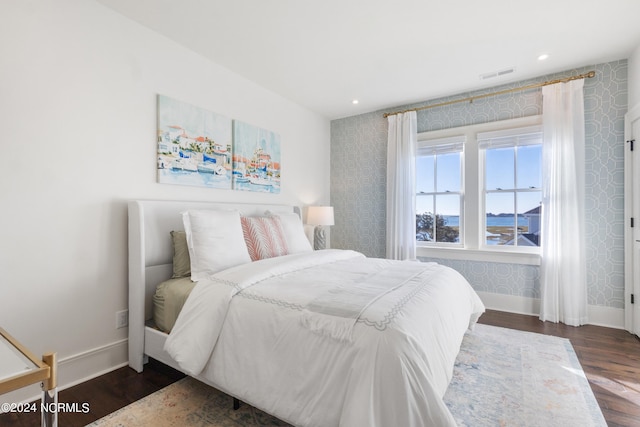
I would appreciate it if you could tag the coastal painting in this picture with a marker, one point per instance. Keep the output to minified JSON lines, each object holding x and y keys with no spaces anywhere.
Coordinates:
{"x":194,"y":145}
{"x":256,"y":159}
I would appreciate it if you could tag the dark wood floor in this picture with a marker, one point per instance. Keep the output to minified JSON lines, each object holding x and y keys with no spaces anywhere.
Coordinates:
{"x":104,"y":394}
{"x":610,"y":359}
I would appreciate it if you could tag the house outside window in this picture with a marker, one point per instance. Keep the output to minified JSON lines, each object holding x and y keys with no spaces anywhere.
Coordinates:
{"x":479,"y":191}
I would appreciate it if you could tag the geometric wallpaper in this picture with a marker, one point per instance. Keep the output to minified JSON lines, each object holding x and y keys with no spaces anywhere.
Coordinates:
{"x":358,"y":180}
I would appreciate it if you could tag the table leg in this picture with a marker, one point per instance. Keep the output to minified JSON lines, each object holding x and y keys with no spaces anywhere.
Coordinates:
{"x":49,"y":407}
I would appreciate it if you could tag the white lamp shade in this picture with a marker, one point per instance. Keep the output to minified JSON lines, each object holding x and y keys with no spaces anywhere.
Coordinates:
{"x":320,"y":215}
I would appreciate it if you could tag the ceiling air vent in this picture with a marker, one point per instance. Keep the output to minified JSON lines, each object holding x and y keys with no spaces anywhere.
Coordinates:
{"x":497,"y":73}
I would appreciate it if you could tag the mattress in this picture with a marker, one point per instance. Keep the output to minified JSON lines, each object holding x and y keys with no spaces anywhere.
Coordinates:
{"x":168,"y":300}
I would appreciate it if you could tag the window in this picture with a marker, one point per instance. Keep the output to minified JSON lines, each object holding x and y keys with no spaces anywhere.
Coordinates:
{"x":439,"y":191}
{"x":512,"y":190}
{"x":479,"y":189}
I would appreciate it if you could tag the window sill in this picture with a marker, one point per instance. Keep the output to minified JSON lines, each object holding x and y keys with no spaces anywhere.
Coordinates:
{"x":503,"y":256}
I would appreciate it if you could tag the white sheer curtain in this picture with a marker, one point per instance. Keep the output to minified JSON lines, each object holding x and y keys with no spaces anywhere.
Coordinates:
{"x":401,"y":186}
{"x":563,"y":267}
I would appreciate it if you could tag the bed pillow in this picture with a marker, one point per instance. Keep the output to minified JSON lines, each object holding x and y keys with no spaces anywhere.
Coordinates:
{"x":181,"y":260}
{"x":294,"y":233}
{"x":215,"y":241}
{"x":264,"y":237}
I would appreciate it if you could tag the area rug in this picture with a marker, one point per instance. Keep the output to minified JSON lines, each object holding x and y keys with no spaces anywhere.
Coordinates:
{"x":502,"y":377}
{"x":505,"y":377}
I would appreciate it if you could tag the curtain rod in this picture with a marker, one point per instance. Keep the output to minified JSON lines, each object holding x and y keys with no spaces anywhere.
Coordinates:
{"x":589,"y":75}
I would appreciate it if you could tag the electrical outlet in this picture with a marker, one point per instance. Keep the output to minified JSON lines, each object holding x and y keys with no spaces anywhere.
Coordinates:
{"x":122,"y":319}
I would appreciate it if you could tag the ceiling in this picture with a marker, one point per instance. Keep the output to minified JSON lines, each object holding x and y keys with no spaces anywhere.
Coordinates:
{"x":323,"y":54}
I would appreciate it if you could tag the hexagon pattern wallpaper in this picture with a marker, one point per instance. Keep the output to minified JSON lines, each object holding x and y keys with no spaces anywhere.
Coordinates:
{"x":358,"y":180}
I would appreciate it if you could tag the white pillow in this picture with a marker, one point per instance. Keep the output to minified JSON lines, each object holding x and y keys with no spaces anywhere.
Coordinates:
{"x":294,"y":232}
{"x":215,"y":241}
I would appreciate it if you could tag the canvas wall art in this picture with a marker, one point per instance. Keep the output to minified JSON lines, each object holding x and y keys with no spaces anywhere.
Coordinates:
{"x":256,"y":159}
{"x":194,"y":145}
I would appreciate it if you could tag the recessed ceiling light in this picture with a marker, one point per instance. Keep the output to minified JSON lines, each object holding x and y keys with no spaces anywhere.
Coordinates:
{"x":355,"y":101}
{"x":543,"y":57}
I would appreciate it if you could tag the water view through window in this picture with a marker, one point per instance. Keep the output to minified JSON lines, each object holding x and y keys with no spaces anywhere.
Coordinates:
{"x":511,"y":195}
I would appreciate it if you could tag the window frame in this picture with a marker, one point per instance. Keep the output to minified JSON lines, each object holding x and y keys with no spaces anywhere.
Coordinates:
{"x":472,"y":224}
{"x":436,"y":146}
{"x":521,"y":130}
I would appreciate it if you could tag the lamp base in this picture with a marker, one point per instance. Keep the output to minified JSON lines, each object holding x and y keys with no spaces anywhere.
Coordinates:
{"x":319,"y":238}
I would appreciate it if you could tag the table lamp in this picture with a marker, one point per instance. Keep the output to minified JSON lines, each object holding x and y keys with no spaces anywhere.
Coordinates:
{"x":320,"y":216}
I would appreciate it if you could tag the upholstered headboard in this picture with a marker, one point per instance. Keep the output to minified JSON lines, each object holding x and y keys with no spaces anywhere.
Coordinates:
{"x":151,"y":252}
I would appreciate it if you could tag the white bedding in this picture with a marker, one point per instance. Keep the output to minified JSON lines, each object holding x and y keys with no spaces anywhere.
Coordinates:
{"x":262,"y":332}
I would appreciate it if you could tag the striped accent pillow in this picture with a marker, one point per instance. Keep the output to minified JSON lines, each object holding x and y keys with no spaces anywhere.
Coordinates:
{"x":264,"y":237}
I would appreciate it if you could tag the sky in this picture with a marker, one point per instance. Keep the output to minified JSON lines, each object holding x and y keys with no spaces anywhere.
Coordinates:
{"x":194,"y":120}
{"x":500,"y":166}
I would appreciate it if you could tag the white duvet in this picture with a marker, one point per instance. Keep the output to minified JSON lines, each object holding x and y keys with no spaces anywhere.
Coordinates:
{"x":330,"y":338}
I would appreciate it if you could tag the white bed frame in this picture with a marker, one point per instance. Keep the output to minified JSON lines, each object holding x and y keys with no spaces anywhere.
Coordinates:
{"x":151,"y":262}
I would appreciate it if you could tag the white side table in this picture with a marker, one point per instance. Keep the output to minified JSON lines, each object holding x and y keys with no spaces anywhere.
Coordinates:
{"x":20,"y":368}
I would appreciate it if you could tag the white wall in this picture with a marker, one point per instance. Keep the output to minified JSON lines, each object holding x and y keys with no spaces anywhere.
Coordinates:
{"x":78,"y":86}
{"x":634,"y":78}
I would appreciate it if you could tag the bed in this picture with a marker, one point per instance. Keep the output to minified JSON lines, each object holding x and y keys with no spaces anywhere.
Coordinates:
{"x":315,"y":338}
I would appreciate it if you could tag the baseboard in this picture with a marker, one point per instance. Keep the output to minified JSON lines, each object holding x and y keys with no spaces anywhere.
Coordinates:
{"x":606,"y":316}
{"x":76,"y":369}
{"x":510,"y":303}
{"x":598,"y":315}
